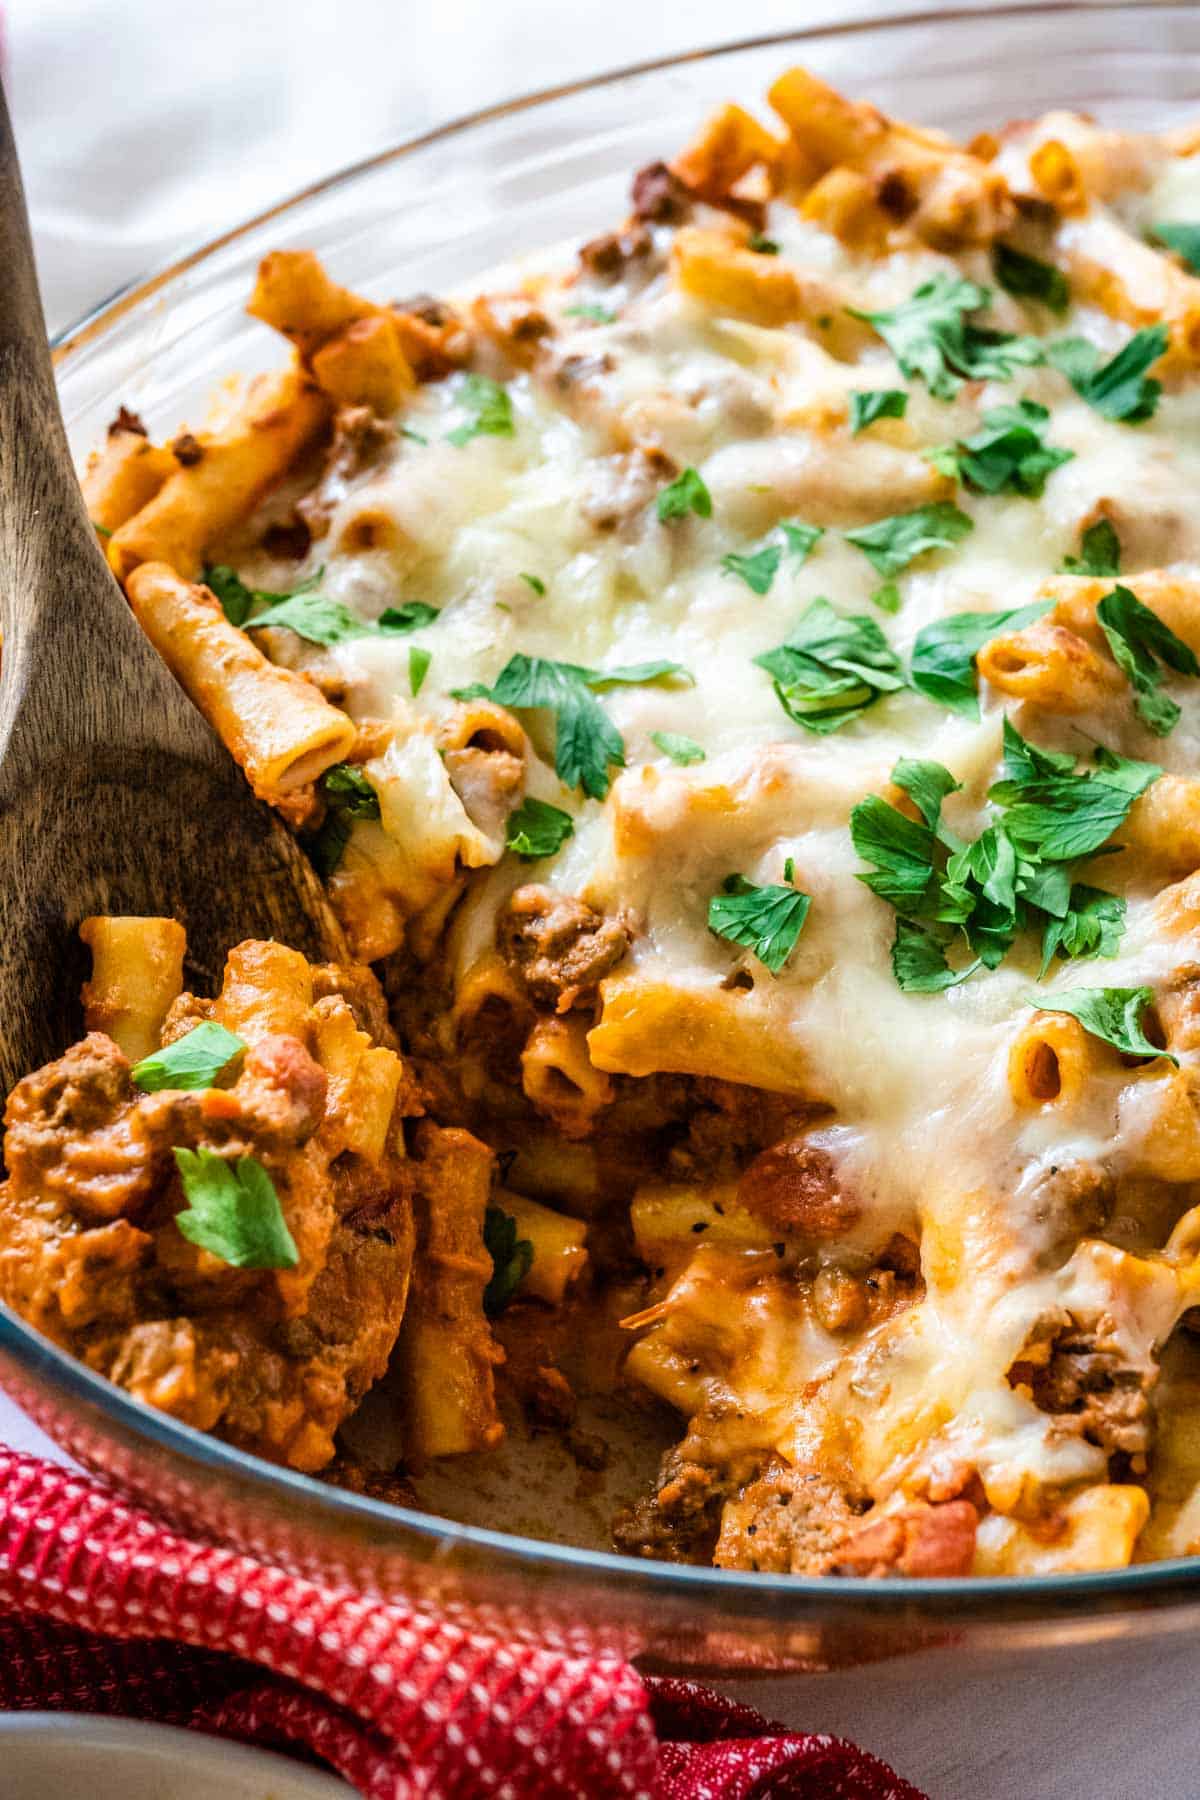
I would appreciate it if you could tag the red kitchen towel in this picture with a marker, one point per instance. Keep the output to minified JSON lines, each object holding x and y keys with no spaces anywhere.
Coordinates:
{"x":102,"y":1608}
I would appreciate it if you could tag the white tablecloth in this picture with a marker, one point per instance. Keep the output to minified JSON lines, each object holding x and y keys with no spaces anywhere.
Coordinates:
{"x":148,"y":125}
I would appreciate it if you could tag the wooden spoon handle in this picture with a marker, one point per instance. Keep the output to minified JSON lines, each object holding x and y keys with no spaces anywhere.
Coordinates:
{"x":46,"y":539}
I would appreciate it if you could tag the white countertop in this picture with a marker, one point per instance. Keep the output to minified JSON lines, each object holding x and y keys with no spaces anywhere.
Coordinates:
{"x":146,"y":126}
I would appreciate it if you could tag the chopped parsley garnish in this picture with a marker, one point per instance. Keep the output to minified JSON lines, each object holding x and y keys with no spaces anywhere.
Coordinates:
{"x":419,"y":660}
{"x":489,"y":410}
{"x":931,"y":337}
{"x":346,"y":786}
{"x":1100,"y":552}
{"x":1011,"y":878}
{"x":313,"y":617}
{"x":687,"y":493}
{"x":943,"y":655}
{"x":1008,"y":455}
{"x":829,"y":669}
{"x":410,"y":615}
{"x":320,"y":620}
{"x":1028,"y":279}
{"x":192,"y":1061}
{"x":101,"y":530}
{"x":233,"y":1211}
{"x":1119,"y":388}
{"x":801,"y":539}
{"x":587,"y":743}
{"x":512,"y":1259}
{"x":887,"y":597}
{"x":878,"y":403}
{"x":757,"y":568}
{"x":919,"y":961}
{"x":1092,"y":926}
{"x":348,"y":795}
{"x":598,"y":315}
{"x":767,"y":920}
{"x":534,"y":581}
{"x":235,"y":597}
{"x":416,"y":437}
{"x":1114,"y":1015}
{"x":238,"y":600}
{"x":1140,"y":643}
{"x":537,"y":829}
{"x":891,"y":544}
{"x":1053,"y":814}
{"x":1183,"y":239}
{"x":681,"y":750}
{"x":764,"y":245}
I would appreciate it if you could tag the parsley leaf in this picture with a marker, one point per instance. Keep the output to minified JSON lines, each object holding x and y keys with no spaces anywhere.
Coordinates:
{"x":829,"y":669}
{"x":489,"y":408}
{"x":997,"y":885}
{"x":599,"y":315}
{"x":891,"y":544}
{"x":415,"y":437}
{"x":927,"y":784}
{"x":512,"y":1259}
{"x":887,"y":597}
{"x":348,"y":795}
{"x":681,"y":750}
{"x":757,"y":568}
{"x":930,"y":336}
{"x":320,"y":620}
{"x":1114,"y":1015}
{"x":1007,"y":454}
{"x":347,"y":787}
{"x":767,"y":920}
{"x":1118,"y":388}
{"x":1028,"y":279}
{"x":801,"y":539}
{"x":535,"y":582}
{"x":398,"y":621}
{"x":1055,"y":815}
{"x":903,"y":851}
{"x":1184,"y":240}
{"x":687,"y":493}
{"x":1140,"y":641}
{"x":537,"y":829}
{"x":1100,"y":552}
{"x":879,"y":403}
{"x":919,"y":961}
{"x":587,"y":743}
{"x":233,"y":1211}
{"x":764,"y":245}
{"x":943,"y":654}
{"x":235,"y":597}
{"x":1024,"y":763}
{"x":1123,"y":772}
{"x":1093,"y":925}
{"x":418,"y":668}
{"x":313,"y":617}
{"x":192,"y":1061}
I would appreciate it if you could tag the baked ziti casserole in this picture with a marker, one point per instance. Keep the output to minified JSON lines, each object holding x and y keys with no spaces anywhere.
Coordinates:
{"x":738,"y":678}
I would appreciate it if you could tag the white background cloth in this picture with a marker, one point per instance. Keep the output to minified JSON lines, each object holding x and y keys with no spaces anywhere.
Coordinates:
{"x":147,"y":126}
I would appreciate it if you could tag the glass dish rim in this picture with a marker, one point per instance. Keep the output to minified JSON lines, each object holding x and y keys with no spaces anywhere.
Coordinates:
{"x":980,"y":1596}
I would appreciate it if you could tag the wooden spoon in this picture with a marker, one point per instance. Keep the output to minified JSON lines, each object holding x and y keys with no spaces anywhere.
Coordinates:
{"x":115,"y":796}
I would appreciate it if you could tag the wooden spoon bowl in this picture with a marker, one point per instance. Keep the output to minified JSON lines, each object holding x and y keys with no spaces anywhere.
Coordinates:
{"x":115,"y":796}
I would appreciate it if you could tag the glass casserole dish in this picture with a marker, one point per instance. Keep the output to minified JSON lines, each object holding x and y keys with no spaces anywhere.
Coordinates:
{"x":431,"y":214}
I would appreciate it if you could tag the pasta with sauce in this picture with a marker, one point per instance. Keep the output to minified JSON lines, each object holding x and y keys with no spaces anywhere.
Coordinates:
{"x":739,"y":679}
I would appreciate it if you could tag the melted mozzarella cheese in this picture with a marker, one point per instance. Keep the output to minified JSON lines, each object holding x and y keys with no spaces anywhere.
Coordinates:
{"x":918,"y":1083}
